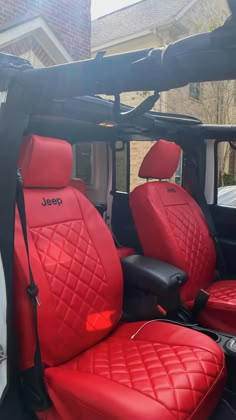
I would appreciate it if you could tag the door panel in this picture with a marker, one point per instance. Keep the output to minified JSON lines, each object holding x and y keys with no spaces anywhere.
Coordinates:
{"x":225,"y":222}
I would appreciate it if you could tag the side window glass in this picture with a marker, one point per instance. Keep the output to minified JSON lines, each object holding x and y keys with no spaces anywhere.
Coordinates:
{"x":226,"y":174}
{"x":84,"y":159}
{"x":179,"y":171}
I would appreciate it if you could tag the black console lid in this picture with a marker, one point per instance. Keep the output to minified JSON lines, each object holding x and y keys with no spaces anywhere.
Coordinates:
{"x":155,"y":277}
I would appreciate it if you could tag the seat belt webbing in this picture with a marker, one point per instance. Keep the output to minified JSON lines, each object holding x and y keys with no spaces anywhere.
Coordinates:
{"x":38,"y":387}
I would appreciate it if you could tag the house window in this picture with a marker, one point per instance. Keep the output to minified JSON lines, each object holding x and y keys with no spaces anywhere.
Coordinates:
{"x":84,"y":155}
{"x":195,"y":90}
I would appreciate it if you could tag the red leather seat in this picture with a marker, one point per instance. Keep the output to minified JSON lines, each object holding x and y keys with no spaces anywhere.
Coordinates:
{"x":172,"y":227}
{"x":79,"y":185}
{"x":96,"y":368}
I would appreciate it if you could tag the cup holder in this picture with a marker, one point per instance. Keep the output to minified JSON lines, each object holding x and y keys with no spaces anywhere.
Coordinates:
{"x":210,"y":334}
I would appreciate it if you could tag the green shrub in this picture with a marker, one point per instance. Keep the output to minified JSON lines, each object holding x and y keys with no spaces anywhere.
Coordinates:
{"x":229,"y":179}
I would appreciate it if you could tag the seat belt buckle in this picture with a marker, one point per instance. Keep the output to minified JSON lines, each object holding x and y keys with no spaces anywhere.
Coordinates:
{"x":33,"y":292}
{"x":200,"y":302}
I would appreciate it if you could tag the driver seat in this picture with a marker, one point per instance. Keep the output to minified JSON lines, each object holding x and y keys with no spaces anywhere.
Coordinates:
{"x":172,"y":228}
{"x":95,"y":366}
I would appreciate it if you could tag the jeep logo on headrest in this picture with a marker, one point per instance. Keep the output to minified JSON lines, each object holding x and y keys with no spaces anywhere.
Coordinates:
{"x":51,"y":202}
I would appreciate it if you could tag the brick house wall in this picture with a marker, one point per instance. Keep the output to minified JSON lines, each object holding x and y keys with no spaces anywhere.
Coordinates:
{"x":69,"y":19}
{"x":31,"y":50}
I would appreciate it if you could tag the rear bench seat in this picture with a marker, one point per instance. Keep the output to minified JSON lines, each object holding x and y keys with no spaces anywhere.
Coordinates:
{"x":80,"y":185}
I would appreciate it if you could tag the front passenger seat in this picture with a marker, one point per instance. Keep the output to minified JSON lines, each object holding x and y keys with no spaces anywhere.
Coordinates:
{"x":172,"y":228}
{"x":96,"y":367}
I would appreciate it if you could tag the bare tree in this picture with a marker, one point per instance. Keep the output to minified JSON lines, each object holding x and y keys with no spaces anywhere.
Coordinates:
{"x":222,"y":163}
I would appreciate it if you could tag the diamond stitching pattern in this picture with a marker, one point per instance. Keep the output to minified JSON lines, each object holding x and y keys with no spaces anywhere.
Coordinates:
{"x":191,"y":241}
{"x":156,"y":370}
{"x":225,"y":294}
{"x":74,"y":272}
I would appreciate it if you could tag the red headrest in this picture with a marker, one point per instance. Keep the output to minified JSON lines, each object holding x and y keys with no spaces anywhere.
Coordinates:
{"x":45,"y":162}
{"x":161,"y":161}
{"x":79,"y":185}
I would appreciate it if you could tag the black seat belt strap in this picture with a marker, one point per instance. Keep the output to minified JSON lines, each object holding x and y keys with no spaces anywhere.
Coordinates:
{"x":32,"y":289}
{"x":199,"y":303}
{"x":201,"y":200}
{"x":33,"y":380}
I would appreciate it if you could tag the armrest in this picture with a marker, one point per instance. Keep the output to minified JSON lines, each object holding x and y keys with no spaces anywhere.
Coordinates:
{"x":154,"y":277}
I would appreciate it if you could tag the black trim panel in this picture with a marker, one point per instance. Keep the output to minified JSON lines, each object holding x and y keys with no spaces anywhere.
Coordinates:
{"x":225,"y":222}
{"x":122,"y":222}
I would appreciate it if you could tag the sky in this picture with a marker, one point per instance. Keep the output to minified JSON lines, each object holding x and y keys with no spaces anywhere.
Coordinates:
{"x":102,"y":7}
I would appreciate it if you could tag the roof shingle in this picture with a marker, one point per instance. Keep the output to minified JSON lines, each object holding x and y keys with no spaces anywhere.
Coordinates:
{"x":138,"y":17}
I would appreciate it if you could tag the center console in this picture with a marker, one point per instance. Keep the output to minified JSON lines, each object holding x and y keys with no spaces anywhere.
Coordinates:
{"x":154,"y":283}
{"x":154,"y":277}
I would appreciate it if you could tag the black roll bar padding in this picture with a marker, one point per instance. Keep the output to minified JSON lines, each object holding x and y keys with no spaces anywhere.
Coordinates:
{"x":202,"y":57}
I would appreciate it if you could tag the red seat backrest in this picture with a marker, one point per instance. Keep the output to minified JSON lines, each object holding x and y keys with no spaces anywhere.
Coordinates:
{"x":80,"y":283}
{"x":170,"y":224}
{"x":79,"y":185}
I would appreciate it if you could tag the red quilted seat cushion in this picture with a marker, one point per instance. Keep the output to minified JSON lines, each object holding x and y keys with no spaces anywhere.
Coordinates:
{"x":220,"y":311}
{"x":75,"y":272}
{"x":79,"y":304}
{"x":165,"y":372}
